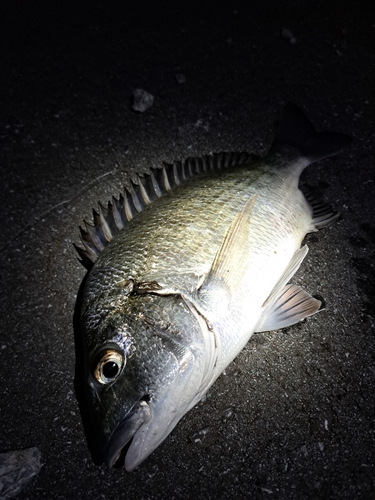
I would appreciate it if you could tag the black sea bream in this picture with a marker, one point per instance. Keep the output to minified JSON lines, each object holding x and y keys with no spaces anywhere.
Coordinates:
{"x":187,"y":264}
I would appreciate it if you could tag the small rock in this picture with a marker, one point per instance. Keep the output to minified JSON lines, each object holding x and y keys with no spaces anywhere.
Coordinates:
{"x":304,"y":450}
{"x":228,"y":413}
{"x":142,"y":100}
{"x":180,"y":78}
{"x":288,"y":35}
{"x":199,"y":436}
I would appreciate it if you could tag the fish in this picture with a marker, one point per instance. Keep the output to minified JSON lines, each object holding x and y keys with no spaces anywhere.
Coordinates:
{"x":190,"y":261}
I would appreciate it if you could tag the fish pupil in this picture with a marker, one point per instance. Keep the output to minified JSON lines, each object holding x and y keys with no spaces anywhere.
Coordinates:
{"x":110,"y":369}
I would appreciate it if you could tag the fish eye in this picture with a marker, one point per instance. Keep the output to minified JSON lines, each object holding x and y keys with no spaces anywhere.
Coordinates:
{"x":109,"y":366}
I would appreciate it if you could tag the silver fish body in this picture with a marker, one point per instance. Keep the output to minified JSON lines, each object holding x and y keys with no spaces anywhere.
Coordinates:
{"x":188,"y":275}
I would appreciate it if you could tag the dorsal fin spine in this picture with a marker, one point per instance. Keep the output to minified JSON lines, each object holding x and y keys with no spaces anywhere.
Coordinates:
{"x":117,"y":208}
{"x":167,"y":186}
{"x":144,"y":193}
{"x":87,"y":240}
{"x":105,"y":222}
{"x":128,"y":209}
{"x":155,"y":183}
{"x":95,"y":233}
{"x":175,"y":175}
{"x":169,"y":168}
{"x":89,"y":252}
{"x":136,"y":202}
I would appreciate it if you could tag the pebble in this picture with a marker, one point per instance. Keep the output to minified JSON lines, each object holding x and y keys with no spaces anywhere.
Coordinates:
{"x":142,"y":100}
{"x":288,"y":35}
{"x":180,"y":78}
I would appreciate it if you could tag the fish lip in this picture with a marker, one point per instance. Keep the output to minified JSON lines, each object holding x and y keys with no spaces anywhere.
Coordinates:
{"x":125,"y":431}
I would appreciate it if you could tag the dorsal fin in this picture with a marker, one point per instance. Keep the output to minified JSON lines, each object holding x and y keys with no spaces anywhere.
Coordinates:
{"x":147,"y":188}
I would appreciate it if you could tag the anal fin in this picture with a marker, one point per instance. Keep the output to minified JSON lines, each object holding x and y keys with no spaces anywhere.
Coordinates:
{"x":290,"y":306}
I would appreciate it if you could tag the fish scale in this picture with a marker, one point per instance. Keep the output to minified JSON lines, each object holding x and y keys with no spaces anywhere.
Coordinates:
{"x":151,"y":238}
{"x":186,"y":265}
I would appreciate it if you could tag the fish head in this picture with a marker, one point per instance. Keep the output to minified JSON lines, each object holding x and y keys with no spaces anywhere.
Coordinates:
{"x":145,"y":365}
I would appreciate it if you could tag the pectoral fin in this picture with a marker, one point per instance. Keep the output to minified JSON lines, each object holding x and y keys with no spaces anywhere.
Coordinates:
{"x":231,"y":261}
{"x":289,"y":307}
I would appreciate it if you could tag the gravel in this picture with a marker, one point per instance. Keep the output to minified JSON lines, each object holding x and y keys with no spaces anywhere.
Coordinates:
{"x":293,"y":416}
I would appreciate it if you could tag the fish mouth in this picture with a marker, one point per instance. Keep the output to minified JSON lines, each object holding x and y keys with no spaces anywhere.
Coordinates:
{"x":140,"y":414}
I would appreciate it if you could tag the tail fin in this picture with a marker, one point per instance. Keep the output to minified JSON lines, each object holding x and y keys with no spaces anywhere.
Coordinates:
{"x":296,"y":130}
